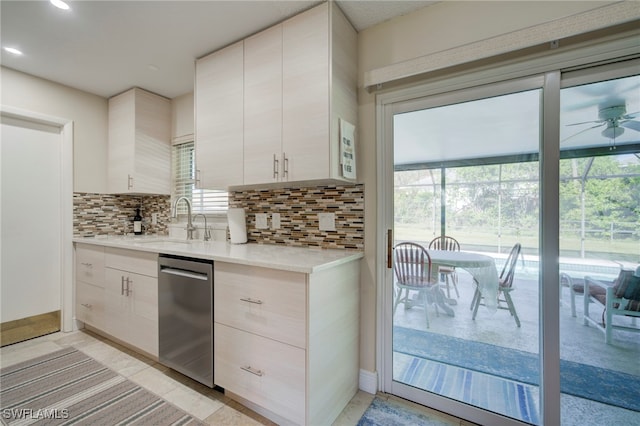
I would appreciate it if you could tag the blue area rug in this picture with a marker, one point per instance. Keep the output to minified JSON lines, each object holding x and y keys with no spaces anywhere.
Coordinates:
{"x":387,"y":413}
{"x":512,"y":399}
{"x":581,"y":380}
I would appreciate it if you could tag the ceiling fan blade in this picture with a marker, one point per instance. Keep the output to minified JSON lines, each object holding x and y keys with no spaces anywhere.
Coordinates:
{"x":587,"y":122}
{"x":581,"y":132}
{"x":631,"y":124}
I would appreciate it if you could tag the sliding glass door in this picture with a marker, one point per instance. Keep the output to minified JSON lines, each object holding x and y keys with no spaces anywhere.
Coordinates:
{"x":538,"y":181}
{"x":599,"y":222}
{"x":466,"y":168}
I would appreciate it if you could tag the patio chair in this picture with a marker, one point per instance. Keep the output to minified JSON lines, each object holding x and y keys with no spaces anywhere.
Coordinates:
{"x":412,"y":266}
{"x":505,"y":286}
{"x":620,"y":299}
{"x":446,"y":272}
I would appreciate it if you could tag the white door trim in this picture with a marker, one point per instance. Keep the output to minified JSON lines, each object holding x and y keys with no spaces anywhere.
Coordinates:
{"x":66,"y":191}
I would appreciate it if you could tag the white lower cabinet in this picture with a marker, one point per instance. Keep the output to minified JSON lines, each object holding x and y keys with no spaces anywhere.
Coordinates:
{"x":131,"y":297}
{"x":89,"y":267}
{"x":131,"y":308}
{"x":287,"y":342}
{"x":264,"y":371}
{"x":117,"y":293}
{"x":90,"y":304}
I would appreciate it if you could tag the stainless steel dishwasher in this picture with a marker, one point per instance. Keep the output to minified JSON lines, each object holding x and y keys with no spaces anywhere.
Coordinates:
{"x":185,"y":311}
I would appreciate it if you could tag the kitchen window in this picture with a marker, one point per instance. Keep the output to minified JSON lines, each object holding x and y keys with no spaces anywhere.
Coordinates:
{"x":183,"y":171}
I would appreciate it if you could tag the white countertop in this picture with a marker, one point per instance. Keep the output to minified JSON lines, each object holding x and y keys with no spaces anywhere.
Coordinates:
{"x":295,"y":259}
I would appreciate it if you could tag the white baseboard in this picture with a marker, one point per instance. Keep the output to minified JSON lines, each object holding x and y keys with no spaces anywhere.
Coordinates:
{"x":368,"y":381}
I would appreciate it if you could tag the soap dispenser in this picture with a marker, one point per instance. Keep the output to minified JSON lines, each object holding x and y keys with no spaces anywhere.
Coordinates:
{"x":137,"y":223}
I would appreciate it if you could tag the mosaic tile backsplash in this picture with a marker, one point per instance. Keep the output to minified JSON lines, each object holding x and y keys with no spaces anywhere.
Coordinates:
{"x":299,"y":208}
{"x":107,"y":214}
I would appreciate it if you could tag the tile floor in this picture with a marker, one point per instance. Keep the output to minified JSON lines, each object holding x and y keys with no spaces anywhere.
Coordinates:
{"x":208,"y":405}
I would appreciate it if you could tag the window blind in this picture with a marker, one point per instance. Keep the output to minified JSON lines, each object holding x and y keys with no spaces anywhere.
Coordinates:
{"x":184,"y":178}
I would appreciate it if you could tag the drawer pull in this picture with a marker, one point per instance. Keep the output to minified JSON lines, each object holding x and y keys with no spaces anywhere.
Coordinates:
{"x":250,"y":300}
{"x":88,"y":265}
{"x":248,"y":368}
{"x":86,"y":305}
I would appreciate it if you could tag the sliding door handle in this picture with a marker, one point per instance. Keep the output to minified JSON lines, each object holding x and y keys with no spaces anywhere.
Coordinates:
{"x":389,"y":248}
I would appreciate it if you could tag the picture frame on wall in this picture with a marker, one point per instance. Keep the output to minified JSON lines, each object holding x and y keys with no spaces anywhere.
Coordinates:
{"x":347,"y":149}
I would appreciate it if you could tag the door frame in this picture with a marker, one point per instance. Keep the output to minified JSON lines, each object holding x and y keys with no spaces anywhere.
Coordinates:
{"x":66,"y":190}
{"x":550,"y":67}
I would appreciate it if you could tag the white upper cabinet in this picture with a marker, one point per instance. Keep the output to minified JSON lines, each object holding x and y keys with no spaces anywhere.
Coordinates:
{"x":263,"y":107}
{"x":182,"y":118}
{"x":299,"y":80}
{"x":319,"y":54}
{"x":219,"y":103}
{"x":139,"y":143}
{"x":305,"y":95}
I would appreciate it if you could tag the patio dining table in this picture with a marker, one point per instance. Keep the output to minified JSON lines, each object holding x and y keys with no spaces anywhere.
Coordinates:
{"x":481,"y":267}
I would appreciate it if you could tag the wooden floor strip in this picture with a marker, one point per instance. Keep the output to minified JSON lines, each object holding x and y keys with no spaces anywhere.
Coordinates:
{"x":29,"y":328}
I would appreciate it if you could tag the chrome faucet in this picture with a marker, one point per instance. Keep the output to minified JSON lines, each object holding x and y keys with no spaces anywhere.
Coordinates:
{"x":207,"y":232}
{"x":190,"y":227}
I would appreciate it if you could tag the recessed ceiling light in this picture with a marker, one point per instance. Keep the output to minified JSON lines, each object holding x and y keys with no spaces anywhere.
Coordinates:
{"x":12,"y":50}
{"x":60,"y":4}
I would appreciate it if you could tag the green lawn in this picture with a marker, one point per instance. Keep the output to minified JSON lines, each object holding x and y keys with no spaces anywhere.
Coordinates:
{"x":480,"y":239}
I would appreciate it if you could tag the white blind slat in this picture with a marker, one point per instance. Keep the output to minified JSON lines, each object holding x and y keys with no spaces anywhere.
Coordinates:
{"x":184,"y":177}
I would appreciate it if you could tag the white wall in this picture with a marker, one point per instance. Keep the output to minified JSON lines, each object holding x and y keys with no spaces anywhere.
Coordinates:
{"x":88,"y":112}
{"x":436,"y":28}
{"x":451,"y":24}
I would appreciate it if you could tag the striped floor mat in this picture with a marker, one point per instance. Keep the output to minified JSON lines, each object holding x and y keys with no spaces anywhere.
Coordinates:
{"x":512,"y":399}
{"x":67,"y":387}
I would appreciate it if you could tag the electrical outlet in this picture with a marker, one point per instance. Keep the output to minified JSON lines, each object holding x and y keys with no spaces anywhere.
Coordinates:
{"x":275,"y":221}
{"x":327,"y":221}
{"x":261,"y":221}
{"x":154,"y":218}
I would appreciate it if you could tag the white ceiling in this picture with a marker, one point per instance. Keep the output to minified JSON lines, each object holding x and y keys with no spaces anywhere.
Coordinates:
{"x":106,"y":47}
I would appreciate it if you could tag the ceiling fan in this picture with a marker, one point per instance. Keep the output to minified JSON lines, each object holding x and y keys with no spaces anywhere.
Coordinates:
{"x":614,"y":119}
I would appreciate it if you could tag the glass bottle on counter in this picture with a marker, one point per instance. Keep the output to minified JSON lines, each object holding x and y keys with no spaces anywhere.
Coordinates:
{"x":137,"y":223}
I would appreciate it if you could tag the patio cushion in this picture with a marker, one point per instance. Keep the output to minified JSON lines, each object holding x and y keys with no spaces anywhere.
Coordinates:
{"x":594,"y":290}
{"x":626,"y":285}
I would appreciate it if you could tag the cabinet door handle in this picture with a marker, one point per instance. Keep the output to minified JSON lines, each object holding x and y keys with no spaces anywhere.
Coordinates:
{"x":122,"y":285}
{"x":248,"y":369}
{"x":87,"y":264}
{"x":86,"y":305}
{"x":285,"y":166}
{"x":128,"y":289}
{"x":276,"y":166}
{"x":250,"y":300}
{"x":129,"y":182}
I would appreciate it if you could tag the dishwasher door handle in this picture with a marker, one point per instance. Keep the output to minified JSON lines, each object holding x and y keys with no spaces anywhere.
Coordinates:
{"x":187,"y":274}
